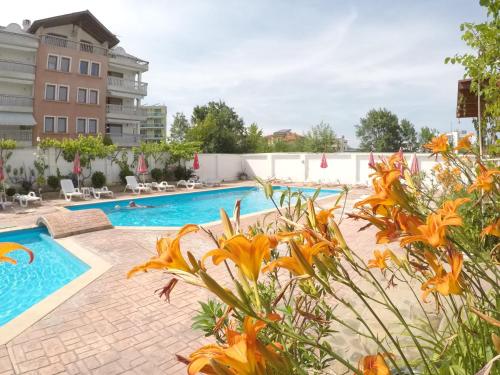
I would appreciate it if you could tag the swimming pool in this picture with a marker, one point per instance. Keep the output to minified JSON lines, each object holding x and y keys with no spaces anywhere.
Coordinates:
{"x":23,"y":285}
{"x":197,"y":207}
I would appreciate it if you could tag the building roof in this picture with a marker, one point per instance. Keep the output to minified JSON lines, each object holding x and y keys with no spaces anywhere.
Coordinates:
{"x":85,"y":20}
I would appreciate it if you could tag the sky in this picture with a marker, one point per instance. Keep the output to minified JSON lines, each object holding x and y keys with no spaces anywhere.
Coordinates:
{"x":287,"y":64}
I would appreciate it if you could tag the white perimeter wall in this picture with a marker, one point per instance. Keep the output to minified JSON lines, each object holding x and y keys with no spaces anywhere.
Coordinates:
{"x":343,"y":168}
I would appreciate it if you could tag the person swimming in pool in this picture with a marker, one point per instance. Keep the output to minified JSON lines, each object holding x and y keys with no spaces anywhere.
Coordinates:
{"x":132,"y":204}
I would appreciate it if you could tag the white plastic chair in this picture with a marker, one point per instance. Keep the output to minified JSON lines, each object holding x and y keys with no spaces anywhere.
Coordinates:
{"x":162,"y":186}
{"x":135,"y":186}
{"x":69,"y":191}
{"x":189,"y":184}
{"x":24,"y":199}
{"x":100,"y":192}
{"x":3,"y":201}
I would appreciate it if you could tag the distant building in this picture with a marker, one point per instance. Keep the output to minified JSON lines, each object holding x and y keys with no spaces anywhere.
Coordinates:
{"x":342,"y":144}
{"x":284,"y":135}
{"x":64,"y":76}
{"x":455,"y":136}
{"x":154,"y":127}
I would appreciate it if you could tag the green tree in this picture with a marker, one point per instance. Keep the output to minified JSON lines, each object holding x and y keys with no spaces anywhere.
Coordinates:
{"x":408,"y":136}
{"x":218,"y":128}
{"x":321,"y":138}
{"x":255,"y":141}
{"x":379,"y":131}
{"x":156,"y":151}
{"x":6,"y":147}
{"x":179,"y":128}
{"x":482,"y":66}
{"x":425,"y":135}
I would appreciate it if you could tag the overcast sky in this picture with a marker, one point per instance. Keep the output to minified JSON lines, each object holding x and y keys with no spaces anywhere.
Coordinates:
{"x":289,"y":64}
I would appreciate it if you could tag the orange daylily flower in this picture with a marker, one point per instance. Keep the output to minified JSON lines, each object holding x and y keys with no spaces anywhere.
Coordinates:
{"x":380,"y":258}
{"x":243,"y":354}
{"x":438,"y":144}
{"x":449,"y":209}
{"x":493,"y":229}
{"x":323,"y":216}
{"x":444,"y":283}
{"x":374,"y":364}
{"x":246,"y":254}
{"x":464,"y":143}
{"x":408,"y":223}
{"x":433,"y":232}
{"x":8,"y":247}
{"x":169,"y":254}
{"x":485,"y":180}
{"x":293,"y":264}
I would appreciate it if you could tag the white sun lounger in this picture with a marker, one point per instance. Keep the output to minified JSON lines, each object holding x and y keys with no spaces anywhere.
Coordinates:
{"x":212,"y":183}
{"x":69,"y":191}
{"x":135,"y":186}
{"x":102,"y":192}
{"x":189,"y":184}
{"x":162,"y":186}
{"x":3,"y":201}
{"x":24,"y":199}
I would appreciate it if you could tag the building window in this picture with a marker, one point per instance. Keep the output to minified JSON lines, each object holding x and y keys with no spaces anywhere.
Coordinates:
{"x":63,"y":93}
{"x":50,"y":92}
{"x":93,"y":96}
{"x":52,"y":62}
{"x":48,"y":125}
{"x":84,"y":67}
{"x":80,"y":125}
{"x":95,"y":68}
{"x":65,"y":64}
{"x":92,"y":126}
{"x":82,"y":96}
{"x":62,"y":124}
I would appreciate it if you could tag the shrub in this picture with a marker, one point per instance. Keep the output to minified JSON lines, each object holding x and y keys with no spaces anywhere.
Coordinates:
{"x":98,"y":179}
{"x":124,"y":172}
{"x":156,"y":174}
{"x":53,"y":182}
{"x":10,"y":191}
{"x":182,"y":173}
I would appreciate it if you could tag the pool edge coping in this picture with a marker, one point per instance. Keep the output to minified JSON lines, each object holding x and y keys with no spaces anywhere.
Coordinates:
{"x":33,"y":314}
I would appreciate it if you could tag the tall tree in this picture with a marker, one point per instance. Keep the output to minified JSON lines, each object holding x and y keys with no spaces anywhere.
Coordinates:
{"x":482,"y":66}
{"x":218,"y":127}
{"x":179,"y":127}
{"x":255,"y":141}
{"x":321,"y":138}
{"x":408,"y":136}
{"x":425,"y":135}
{"x":379,"y":131}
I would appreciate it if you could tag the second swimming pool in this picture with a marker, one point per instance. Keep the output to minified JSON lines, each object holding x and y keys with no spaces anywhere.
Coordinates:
{"x":196,"y":207}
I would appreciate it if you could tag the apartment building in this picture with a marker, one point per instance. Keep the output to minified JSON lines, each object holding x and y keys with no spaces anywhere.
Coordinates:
{"x":82,"y":82}
{"x":18,"y":52}
{"x":154,"y":128}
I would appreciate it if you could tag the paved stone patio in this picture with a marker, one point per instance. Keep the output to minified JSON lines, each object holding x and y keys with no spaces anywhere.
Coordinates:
{"x":119,"y":326}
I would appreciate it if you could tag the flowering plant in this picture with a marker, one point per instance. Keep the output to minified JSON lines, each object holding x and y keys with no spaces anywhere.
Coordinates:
{"x":300,"y":300}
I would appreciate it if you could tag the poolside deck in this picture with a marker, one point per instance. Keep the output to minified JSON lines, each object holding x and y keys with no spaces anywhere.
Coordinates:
{"x":119,"y":326}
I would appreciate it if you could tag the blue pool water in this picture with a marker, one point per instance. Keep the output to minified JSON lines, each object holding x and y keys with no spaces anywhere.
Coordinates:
{"x":196,"y":207}
{"x":24,"y":284}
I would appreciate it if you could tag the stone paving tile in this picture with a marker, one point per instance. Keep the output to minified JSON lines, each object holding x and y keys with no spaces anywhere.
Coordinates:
{"x":115,"y":325}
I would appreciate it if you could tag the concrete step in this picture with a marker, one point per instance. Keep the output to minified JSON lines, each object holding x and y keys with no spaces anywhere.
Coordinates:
{"x":69,"y":223}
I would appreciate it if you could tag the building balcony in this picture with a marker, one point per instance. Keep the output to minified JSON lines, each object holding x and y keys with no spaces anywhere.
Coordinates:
{"x":68,"y":43}
{"x":118,"y":86}
{"x":18,"y":40}
{"x":17,"y":72}
{"x":126,"y":140}
{"x":122,"y":112}
{"x":12,"y":103}
{"x":152,"y":126}
{"x":126,"y":61}
{"x":20,"y":135}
